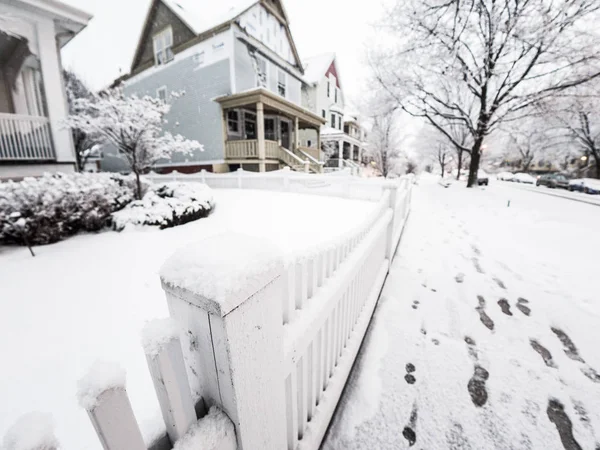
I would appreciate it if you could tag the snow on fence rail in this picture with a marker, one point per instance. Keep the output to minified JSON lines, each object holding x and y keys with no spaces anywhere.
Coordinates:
{"x":266,"y":345}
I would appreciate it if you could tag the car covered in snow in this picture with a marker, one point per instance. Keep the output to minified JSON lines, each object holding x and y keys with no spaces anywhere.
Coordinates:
{"x":483,"y":178}
{"x":587,"y":185}
{"x":553,"y":180}
{"x":524,"y":178}
{"x":505,"y":176}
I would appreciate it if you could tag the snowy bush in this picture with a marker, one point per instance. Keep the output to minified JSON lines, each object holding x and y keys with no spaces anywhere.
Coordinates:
{"x":44,"y":210}
{"x":167,"y":205}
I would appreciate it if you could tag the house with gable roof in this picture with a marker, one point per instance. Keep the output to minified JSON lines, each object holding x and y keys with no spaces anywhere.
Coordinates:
{"x":242,"y":77}
{"x":342,"y":133}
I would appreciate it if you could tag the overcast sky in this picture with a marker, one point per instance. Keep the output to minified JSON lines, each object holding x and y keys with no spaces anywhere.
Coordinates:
{"x":105,"y":49}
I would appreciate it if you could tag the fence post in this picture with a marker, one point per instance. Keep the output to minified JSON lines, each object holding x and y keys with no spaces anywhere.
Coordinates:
{"x":102,"y":393}
{"x":239,"y":177}
{"x":306,"y":166}
{"x":162,"y":347}
{"x":32,"y":431}
{"x":392,"y":189}
{"x":227,"y":293}
{"x":203,"y":175}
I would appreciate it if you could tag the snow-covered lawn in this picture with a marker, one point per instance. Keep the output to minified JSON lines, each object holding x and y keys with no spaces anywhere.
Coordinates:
{"x":88,"y":297}
{"x":486,"y":335}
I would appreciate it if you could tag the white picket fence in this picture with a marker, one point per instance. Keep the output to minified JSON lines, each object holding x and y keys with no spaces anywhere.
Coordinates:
{"x":267,"y":346}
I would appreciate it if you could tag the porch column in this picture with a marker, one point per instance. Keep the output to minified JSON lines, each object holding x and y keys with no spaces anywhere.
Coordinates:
{"x":260,"y":124}
{"x":54,"y":92}
{"x":296,"y":133}
{"x":359,"y":154}
{"x":319,"y":141}
{"x":341,"y":153}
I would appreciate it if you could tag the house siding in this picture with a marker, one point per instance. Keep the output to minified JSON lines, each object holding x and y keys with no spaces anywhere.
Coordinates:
{"x":197,"y":115}
{"x":160,"y":18}
{"x":245,"y":73}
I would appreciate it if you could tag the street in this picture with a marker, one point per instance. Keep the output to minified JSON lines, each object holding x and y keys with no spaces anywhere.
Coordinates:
{"x":486,"y":332}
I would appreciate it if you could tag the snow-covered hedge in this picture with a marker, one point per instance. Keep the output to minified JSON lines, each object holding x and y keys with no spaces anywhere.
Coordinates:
{"x":49,"y":208}
{"x":167,"y":205}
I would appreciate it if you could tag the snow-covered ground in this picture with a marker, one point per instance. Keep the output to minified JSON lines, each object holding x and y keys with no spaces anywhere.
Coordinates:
{"x":88,"y":298}
{"x":486,"y":334}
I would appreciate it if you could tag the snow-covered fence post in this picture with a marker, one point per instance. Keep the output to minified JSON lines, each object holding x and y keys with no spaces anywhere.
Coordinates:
{"x":239,"y":177}
{"x":102,"y":393}
{"x":392,"y":188}
{"x":306,"y":166}
{"x":203,"y":175}
{"x":226,"y":292}
{"x":286,"y":179}
{"x":162,"y":346}
{"x":32,"y":431}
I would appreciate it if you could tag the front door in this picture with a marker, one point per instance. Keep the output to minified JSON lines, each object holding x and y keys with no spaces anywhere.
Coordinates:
{"x":285,"y":134}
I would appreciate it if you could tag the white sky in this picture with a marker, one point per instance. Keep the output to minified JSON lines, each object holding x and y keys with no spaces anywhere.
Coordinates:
{"x":105,"y":49}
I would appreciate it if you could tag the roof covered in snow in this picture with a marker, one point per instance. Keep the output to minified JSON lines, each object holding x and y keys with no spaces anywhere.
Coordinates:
{"x":316,"y":66}
{"x":202,"y":15}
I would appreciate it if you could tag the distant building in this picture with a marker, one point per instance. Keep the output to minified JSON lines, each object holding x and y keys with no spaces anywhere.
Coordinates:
{"x":342,"y":133}
{"x":237,"y":63}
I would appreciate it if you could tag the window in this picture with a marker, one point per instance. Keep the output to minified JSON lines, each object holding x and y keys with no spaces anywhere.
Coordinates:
{"x":233,"y":122}
{"x":340,"y":122}
{"x":281,"y":83}
{"x":163,"y":46}
{"x":328,"y":88}
{"x":323,"y":113}
{"x":332,"y":120}
{"x":270,"y":129}
{"x":261,"y":72}
{"x":199,"y":58}
{"x":309,"y":143}
{"x":161,"y":93}
{"x":250,"y":125}
{"x":336,"y":94}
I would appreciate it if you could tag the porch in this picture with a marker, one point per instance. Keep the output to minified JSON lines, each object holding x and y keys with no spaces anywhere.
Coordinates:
{"x":262,"y":132}
{"x":344,"y":150}
{"x":32,"y":97}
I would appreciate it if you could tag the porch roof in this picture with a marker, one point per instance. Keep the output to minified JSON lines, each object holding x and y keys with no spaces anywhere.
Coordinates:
{"x":273,"y":101}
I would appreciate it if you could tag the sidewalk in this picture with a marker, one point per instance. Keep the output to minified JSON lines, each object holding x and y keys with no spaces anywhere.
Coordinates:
{"x":484,"y":337}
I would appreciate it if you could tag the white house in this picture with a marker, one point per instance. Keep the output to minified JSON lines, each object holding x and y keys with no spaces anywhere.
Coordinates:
{"x":32,"y":96}
{"x":323,"y":94}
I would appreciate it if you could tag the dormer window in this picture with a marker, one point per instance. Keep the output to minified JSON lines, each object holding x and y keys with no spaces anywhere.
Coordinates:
{"x":163,"y":46}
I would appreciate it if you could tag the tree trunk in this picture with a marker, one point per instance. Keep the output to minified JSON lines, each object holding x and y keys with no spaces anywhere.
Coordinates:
{"x":475,"y":157}
{"x":138,"y":186}
{"x":597,"y":158}
{"x":460,"y":154}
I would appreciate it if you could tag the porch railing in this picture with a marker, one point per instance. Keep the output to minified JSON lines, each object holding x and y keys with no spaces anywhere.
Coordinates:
{"x":25,"y":138}
{"x":312,"y":151}
{"x":241,"y":149}
{"x":271,"y":150}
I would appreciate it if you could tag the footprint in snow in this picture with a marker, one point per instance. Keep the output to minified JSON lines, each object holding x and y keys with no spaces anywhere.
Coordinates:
{"x":459,"y":278}
{"x":504,"y":306}
{"x":572,"y":352}
{"x":560,"y":419}
{"x":485,"y":319}
{"x":543,"y":352}
{"x":409,"y":432}
{"x":522,"y":306}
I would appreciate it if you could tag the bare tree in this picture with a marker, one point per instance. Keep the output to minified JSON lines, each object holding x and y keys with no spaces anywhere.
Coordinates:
{"x":384,"y":144}
{"x":481,"y":63}
{"x":443,"y":157}
{"x":579,"y":118}
{"x":530,"y":140}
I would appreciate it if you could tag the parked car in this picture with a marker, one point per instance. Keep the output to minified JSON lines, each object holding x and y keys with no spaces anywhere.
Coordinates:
{"x":505,"y":176}
{"x":524,"y":178}
{"x":587,"y":185}
{"x":553,"y":180}
{"x":482,"y":178}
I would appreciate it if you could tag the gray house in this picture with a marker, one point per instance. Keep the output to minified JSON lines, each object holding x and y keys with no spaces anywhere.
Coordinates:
{"x":242,"y":76}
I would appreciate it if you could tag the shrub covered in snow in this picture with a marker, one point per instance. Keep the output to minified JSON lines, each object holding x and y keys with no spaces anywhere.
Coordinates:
{"x":167,"y":205}
{"x":44,"y":210}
